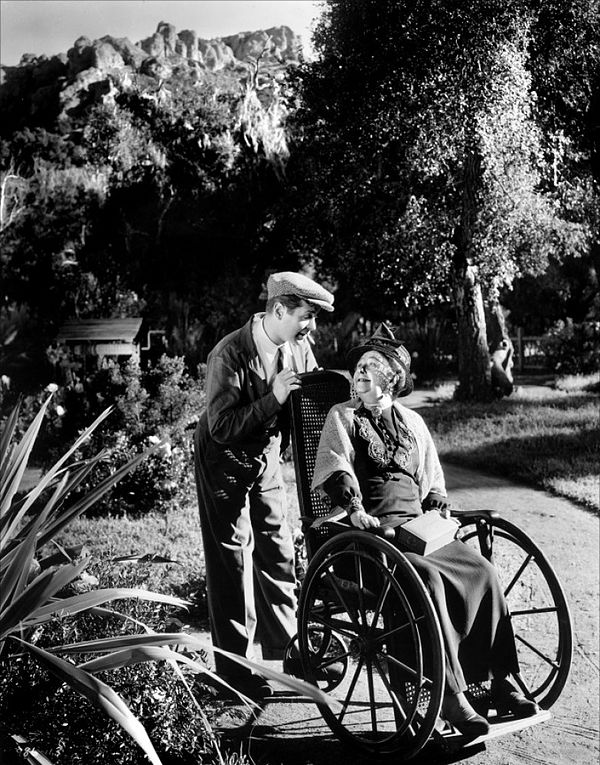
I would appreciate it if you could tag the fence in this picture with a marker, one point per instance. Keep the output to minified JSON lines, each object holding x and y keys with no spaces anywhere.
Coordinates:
{"x":529,"y":353}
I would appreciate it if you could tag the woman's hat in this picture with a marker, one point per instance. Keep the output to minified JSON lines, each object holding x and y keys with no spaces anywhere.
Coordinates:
{"x":383,"y":341}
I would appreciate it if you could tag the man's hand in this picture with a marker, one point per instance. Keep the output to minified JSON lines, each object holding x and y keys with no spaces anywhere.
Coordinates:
{"x":362,"y":520}
{"x":284,"y":383}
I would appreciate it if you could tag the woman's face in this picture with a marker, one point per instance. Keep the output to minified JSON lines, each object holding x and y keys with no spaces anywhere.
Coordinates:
{"x":373,"y":376}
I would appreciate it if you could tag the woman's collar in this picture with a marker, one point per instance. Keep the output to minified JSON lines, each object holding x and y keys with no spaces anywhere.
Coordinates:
{"x":377,"y":408}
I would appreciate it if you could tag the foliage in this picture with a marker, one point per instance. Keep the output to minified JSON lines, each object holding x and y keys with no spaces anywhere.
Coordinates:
{"x":573,"y":348}
{"x":35,"y":591}
{"x":565,"y":62}
{"x":158,"y":404}
{"x":57,"y":722}
{"x":420,"y":172}
{"x":569,"y":289}
{"x":31,"y":593}
{"x":159,"y":192}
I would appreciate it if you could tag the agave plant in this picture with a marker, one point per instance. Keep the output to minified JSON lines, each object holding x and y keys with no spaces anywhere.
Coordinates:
{"x":31,"y":590}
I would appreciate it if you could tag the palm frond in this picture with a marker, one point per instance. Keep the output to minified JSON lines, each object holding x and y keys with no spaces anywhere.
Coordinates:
{"x":99,"y":694}
{"x":86,"y":600}
{"x":193,"y":643}
{"x":16,"y":462}
{"x":46,"y":480}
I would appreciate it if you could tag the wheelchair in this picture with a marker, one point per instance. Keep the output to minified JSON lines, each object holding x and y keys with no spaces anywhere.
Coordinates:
{"x":364,"y":612}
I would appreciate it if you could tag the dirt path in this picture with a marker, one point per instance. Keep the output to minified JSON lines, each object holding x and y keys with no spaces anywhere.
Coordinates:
{"x":290,"y":731}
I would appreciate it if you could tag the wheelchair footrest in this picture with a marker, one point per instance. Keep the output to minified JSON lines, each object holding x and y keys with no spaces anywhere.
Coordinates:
{"x":452,"y":741}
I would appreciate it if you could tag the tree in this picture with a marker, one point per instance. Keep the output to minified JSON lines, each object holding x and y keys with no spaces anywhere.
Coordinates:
{"x":153,"y":200}
{"x":418,"y":147}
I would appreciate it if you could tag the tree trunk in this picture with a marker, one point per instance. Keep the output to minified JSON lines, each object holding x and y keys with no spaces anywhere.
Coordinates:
{"x":474,"y":378}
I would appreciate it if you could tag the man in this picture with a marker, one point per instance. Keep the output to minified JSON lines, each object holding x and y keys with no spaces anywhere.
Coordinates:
{"x":249,"y":553}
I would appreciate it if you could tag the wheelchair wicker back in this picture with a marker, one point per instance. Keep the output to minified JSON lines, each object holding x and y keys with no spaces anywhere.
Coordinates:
{"x":309,"y":408}
{"x":383,"y":639}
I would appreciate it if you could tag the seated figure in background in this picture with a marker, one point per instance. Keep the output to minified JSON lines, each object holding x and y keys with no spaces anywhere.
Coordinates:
{"x":377,"y":460}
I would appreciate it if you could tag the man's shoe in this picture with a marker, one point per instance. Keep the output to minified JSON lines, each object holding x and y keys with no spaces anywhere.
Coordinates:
{"x":507,"y":699}
{"x":459,"y":713}
{"x":254,"y":687}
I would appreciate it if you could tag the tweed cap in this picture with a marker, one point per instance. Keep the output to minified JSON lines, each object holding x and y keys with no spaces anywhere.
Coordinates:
{"x":291,"y":283}
{"x":384,"y":341}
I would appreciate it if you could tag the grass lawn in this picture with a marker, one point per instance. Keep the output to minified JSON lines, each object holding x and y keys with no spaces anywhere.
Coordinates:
{"x":549,"y":439}
{"x":175,"y":534}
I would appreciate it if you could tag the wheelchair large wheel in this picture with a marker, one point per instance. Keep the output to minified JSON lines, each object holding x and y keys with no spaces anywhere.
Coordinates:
{"x":539,"y":612}
{"x":363,"y":600}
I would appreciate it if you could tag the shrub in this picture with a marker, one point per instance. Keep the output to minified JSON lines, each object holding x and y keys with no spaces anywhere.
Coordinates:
{"x":573,"y":348}
{"x":159,"y":404}
{"x":34,"y":590}
{"x":57,"y":722}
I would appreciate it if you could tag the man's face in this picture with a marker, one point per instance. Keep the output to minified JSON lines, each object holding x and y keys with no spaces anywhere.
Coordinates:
{"x":294,"y":324}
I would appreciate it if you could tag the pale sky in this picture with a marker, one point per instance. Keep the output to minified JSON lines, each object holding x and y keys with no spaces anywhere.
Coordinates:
{"x":52,"y":26}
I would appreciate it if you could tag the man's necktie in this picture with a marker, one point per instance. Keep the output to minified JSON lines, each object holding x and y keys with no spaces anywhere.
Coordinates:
{"x":284,"y":413}
{"x":279,"y":360}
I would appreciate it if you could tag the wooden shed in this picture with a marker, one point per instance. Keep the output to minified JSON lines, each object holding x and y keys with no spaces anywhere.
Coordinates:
{"x":101,"y":339}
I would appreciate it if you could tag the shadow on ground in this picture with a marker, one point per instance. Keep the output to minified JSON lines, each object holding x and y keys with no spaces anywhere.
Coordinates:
{"x":291,"y":731}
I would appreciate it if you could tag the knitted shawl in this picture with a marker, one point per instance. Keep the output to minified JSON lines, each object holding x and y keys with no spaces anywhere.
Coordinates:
{"x":336,"y":450}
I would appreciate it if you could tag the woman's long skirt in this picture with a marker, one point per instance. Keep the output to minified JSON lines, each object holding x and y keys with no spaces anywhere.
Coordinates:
{"x":473,"y":614}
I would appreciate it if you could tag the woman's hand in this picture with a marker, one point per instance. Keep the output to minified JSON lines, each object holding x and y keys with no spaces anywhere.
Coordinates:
{"x":439,"y":504}
{"x":362,"y":520}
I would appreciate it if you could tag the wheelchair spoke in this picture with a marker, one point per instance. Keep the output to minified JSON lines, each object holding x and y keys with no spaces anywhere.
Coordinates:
{"x":392,"y":693}
{"x":372,"y":697}
{"x":523,"y":686}
{"x":381,"y":601}
{"x":330,"y":577}
{"x":358,"y":571}
{"x":517,"y":576}
{"x":347,"y":700}
{"x":547,"y":659}
{"x":407,"y":718}
{"x":412,"y":673}
{"x":335,"y":625}
{"x":532,"y":611}
{"x":385,"y":636}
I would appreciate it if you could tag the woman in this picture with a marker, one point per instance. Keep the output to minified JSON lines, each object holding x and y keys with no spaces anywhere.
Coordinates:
{"x":377,"y":460}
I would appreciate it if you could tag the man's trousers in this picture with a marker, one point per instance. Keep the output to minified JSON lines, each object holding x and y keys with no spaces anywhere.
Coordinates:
{"x":248,"y":548}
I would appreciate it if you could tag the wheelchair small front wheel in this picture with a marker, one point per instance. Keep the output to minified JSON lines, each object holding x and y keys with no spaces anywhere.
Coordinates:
{"x":328,"y":654}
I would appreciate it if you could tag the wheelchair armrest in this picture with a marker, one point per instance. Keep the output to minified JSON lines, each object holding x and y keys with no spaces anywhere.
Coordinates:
{"x":465,"y":516}
{"x":334,"y":519}
{"x":386,"y":532}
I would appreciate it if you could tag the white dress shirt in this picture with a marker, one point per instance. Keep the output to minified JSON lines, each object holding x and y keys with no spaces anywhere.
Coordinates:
{"x":267,"y":350}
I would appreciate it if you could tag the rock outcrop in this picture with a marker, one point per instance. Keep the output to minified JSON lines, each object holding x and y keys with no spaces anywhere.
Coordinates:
{"x":91,"y":69}
{"x":278,"y":43}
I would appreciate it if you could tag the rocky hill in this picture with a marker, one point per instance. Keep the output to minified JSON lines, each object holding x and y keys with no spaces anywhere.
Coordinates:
{"x":40,"y":86}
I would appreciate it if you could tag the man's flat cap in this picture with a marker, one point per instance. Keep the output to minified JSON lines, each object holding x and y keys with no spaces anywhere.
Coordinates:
{"x":291,"y":283}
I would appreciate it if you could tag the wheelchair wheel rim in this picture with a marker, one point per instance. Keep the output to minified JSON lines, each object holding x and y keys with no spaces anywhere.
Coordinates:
{"x":391,"y":692}
{"x":539,"y":611}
